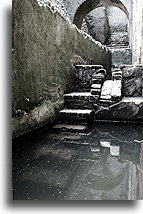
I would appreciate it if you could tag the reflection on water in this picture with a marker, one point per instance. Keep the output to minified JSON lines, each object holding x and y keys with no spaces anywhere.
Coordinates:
{"x":103,"y":163}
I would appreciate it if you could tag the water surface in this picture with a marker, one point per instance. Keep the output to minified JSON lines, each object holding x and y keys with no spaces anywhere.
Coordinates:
{"x":105,"y":162}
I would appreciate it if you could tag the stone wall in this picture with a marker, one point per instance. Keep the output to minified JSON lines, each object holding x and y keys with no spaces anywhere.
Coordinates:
{"x":45,"y":48}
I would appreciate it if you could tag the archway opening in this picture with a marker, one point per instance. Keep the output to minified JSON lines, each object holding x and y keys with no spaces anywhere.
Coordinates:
{"x":106,"y":21}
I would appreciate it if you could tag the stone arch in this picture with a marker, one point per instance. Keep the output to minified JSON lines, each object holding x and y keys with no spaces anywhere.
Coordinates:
{"x":89,"y":5}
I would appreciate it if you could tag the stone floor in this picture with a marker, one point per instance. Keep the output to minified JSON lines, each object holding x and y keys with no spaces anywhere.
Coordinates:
{"x":102,"y":162}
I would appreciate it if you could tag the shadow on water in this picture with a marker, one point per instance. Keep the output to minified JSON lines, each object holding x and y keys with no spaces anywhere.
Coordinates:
{"x":105,"y":162}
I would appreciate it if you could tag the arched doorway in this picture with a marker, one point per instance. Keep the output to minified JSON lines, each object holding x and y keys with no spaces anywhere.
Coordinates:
{"x":89,"y":5}
{"x":118,"y":38}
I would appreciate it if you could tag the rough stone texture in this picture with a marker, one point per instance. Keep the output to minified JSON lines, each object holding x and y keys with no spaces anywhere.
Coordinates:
{"x":80,"y":100}
{"x":105,"y":24}
{"x":84,"y":76}
{"x":98,"y":26}
{"x":132,"y":81}
{"x":44,"y":114}
{"x":118,"y":23}
{"x":56,"y":5}
{"x":106,"y":90}
{"x":44,"y":47}
{"x":121,"y":56}
{"x":76,"y":116}
{"x":116,"y":92}
{"x":129,"y":109}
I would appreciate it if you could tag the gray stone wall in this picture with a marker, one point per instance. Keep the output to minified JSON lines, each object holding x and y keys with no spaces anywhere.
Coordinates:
{"x":45,"y":48}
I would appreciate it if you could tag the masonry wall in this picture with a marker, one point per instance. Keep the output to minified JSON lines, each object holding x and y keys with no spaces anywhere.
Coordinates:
{"x":45,"y":48}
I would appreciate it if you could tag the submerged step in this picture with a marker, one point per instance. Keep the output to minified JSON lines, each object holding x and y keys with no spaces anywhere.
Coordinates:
{"x":76,"y":116}
{"x":70,"y":127}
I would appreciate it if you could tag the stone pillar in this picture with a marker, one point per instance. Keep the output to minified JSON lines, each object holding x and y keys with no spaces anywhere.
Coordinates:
{"x":137,"y":31}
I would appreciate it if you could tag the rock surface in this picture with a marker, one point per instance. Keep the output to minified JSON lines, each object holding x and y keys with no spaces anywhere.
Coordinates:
{"x":132,"y":81}
{"x":129,"y":109}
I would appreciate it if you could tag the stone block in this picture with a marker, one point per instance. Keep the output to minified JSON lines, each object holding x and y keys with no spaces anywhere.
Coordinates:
{"x":98,"y":76}
{"x":106,"y":90}
{"x":78,"y":100}
{"x":117,"y":74}
{"x":76,"y":116}
{"x":70,"y":127}
{"x":117,"y":77}
{"x":116,"y":92}
{"x":95,"y":91}
{"x":96,"y":86}
{"x":97,"y":81}
{"x":101,"y":71}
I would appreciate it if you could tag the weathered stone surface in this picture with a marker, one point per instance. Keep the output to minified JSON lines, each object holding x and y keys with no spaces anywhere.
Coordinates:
{"x":116,"y":92}
{"x":84,"y":75}
{"x":106,"y":90}
{"x":45,"y":114}
{"x":98,"y":26}
{"x":101,"y":71}
{"x":118,"y":22}
{"x":97,"y":81}
{"x":98,"y":76}
{"x":117,"y":74}
{"x":121,"y":56}
{"x":71,"y":128}
{"x":80,"y":100}
{"x":132,"y":81}
{"x":128,"y":109}
{"x":96,"y":86}
{"x":44,"y":45}
{"x":95,"y":91}
{"x":76,"y":116}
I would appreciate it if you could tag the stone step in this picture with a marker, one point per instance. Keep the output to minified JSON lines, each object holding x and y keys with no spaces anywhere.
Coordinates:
{"x":84,"y":75}
{"x":76,"y":116}
{"x":70,"y":127}
{"x":117,"y":74}
{"x":116,"y":92}
{"x":79,"y":100}
{"x":106,"y":90}
{"x":111,"y":91}
{"x":89,"y":66}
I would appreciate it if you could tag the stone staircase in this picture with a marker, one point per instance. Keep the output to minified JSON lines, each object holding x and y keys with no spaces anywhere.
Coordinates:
{"x":92,"y":90}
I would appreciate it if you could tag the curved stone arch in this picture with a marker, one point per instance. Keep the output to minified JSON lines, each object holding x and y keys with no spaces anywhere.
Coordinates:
{"x":89,"y":5}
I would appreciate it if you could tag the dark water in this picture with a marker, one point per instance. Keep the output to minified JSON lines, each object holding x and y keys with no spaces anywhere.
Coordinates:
{"x":105,"y":162}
